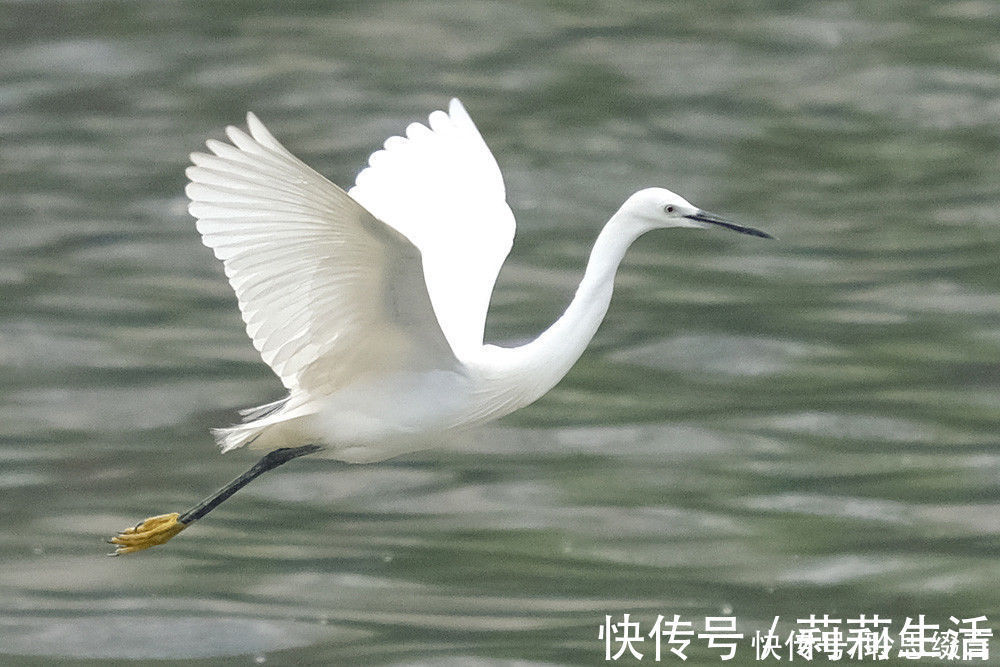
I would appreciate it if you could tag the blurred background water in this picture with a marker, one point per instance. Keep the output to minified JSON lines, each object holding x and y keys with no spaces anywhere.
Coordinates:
{"x":759,"y":428}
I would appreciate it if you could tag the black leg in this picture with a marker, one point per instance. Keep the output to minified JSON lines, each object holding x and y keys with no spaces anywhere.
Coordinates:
{"x":158,"y":529}
{"x":270,"y":461}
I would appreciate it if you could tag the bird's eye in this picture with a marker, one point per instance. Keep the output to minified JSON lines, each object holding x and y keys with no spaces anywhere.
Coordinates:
{"x":669,"y":209}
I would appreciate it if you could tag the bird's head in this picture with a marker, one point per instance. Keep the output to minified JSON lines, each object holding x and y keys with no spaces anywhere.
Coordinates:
{"x":658,"y":208}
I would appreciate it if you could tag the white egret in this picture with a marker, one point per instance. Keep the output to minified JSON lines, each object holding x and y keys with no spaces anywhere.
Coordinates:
{"x":370,"y":304}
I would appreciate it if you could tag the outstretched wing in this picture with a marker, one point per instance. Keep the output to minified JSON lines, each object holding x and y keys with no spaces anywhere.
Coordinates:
{"x":328,"y":293}
{"x":441,"y":187}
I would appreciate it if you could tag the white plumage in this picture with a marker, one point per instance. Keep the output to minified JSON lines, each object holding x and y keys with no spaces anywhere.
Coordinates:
{"x":370,"y":305}
{"x":442,"y":189}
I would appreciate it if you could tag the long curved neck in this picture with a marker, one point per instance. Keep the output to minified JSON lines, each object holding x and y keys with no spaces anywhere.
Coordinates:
{"x":559,"y":346}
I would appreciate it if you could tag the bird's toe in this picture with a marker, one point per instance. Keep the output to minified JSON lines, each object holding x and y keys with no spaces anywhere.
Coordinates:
{"x":147,"y":533}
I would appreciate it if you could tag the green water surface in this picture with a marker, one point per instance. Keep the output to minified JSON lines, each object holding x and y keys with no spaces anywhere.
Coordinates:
{"x":759,"y":429}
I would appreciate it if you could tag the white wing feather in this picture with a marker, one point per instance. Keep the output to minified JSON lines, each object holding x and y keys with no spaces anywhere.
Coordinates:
{"x":441,"y":188}
{"x":328,"y":293}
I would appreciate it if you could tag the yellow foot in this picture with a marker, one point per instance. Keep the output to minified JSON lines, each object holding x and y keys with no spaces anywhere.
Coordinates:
{"x":149,"y":533}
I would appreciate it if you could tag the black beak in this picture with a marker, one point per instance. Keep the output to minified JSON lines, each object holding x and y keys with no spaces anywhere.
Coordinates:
{"x":712,"y":219}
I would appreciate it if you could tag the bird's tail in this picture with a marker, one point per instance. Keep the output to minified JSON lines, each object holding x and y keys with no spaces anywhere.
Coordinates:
{"x":240,"y":435}
{"x":261,"y":411}
{"x":232,"y":437}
